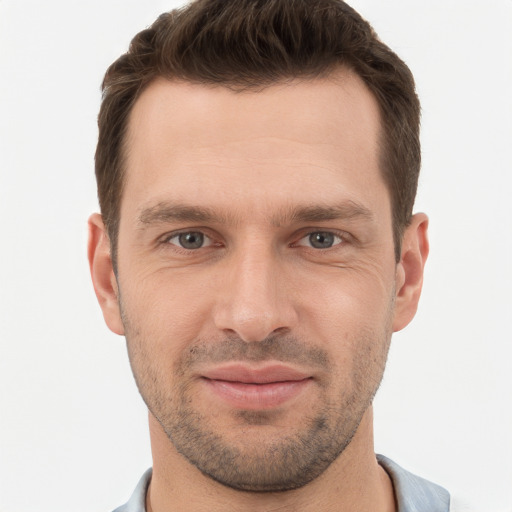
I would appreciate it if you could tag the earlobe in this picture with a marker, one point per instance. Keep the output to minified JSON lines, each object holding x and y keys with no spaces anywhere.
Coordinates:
{"x":409,"y":272}
{"x":102,"y":273}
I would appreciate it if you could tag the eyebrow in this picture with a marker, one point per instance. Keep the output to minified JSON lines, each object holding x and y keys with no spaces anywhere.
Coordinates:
{"x":318,"y":213}
{"x":169,"y":212}
{"x":166,"y":212}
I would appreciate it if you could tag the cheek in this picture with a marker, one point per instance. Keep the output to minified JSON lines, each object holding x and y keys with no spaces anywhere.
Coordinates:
{"x":161,"y":319}
{"x":351,"y":317}
{"x":167,"y":299}
{"x":347,"y":299}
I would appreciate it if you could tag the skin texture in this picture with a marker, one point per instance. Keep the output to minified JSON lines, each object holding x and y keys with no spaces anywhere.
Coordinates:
{"x":289,"y":266}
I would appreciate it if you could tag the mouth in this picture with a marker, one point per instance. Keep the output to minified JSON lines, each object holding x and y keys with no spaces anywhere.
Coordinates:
{"x":248,"y":388}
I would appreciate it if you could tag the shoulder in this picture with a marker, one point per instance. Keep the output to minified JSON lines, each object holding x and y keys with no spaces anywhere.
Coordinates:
{"x":137,"y":501}
{"x":413,"y":493}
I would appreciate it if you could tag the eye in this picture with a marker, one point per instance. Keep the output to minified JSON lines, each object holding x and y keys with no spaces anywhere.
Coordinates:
{"x":320,"y":240}
{"x":190,"y":240}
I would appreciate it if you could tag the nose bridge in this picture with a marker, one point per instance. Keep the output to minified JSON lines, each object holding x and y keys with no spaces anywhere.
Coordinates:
{"x":255,"y":302}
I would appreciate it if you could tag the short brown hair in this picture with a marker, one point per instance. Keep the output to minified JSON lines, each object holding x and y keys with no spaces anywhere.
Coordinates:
{"x":251,"y":44}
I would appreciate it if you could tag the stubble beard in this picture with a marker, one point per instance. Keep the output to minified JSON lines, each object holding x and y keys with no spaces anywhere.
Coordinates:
{"x":269,"y":463}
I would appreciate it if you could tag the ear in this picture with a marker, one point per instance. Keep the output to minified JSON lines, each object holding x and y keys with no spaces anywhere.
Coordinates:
{"x":409,"y":270}
{"x":102,"y":273}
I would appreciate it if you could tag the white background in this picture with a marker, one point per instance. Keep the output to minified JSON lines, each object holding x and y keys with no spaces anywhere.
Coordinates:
{"x":73,"y":433}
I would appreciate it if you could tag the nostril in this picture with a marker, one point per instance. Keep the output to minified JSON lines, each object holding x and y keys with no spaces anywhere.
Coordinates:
{"x":280,"y":331}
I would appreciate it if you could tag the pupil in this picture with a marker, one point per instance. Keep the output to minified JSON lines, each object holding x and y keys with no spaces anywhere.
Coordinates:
{"x":321,"y":240}
{"x":191,"y":240}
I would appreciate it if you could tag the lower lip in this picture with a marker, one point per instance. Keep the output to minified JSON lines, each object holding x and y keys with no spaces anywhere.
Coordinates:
{"x":257,"y":396}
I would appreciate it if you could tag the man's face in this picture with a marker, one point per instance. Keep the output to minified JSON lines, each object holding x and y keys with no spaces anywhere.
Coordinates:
{"x":256,"y":273}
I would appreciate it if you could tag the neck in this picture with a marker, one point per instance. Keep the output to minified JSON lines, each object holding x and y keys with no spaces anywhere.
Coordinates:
{"x":354,"y":482}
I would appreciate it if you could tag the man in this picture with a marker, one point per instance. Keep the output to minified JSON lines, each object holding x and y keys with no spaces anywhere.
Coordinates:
{"x":257,"y":165}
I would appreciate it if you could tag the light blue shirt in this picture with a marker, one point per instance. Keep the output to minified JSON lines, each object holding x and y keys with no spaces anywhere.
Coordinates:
{"x":412,"y":493}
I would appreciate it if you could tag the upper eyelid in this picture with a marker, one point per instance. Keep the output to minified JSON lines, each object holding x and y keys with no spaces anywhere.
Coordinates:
{"x":172,"y":234}
{"x":163,"y":242}
{"x":344,"y":235}
{"x":341,"y":241}
{"x":215,"y":237}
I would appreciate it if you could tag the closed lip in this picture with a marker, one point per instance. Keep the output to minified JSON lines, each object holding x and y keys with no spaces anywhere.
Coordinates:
{"x":247,"y":374}
{"x":248,"y":387}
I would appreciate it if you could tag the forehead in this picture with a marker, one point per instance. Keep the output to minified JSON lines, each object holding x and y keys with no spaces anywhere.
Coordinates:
{"x":204,"y":144}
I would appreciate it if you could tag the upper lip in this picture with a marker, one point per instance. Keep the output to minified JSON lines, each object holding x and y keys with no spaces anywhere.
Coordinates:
{"x":243,"y":373}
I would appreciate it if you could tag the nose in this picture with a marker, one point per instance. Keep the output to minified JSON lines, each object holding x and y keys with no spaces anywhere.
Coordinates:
{"x":254,"y":300}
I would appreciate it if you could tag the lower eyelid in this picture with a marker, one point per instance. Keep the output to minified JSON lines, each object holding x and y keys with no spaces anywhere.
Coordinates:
{"x":208,"y":241}
{"x":339,"y":238}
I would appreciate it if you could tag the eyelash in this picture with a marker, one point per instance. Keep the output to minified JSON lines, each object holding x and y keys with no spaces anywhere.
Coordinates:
{"x":166,"y":240}
{"x":343,"y":237}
